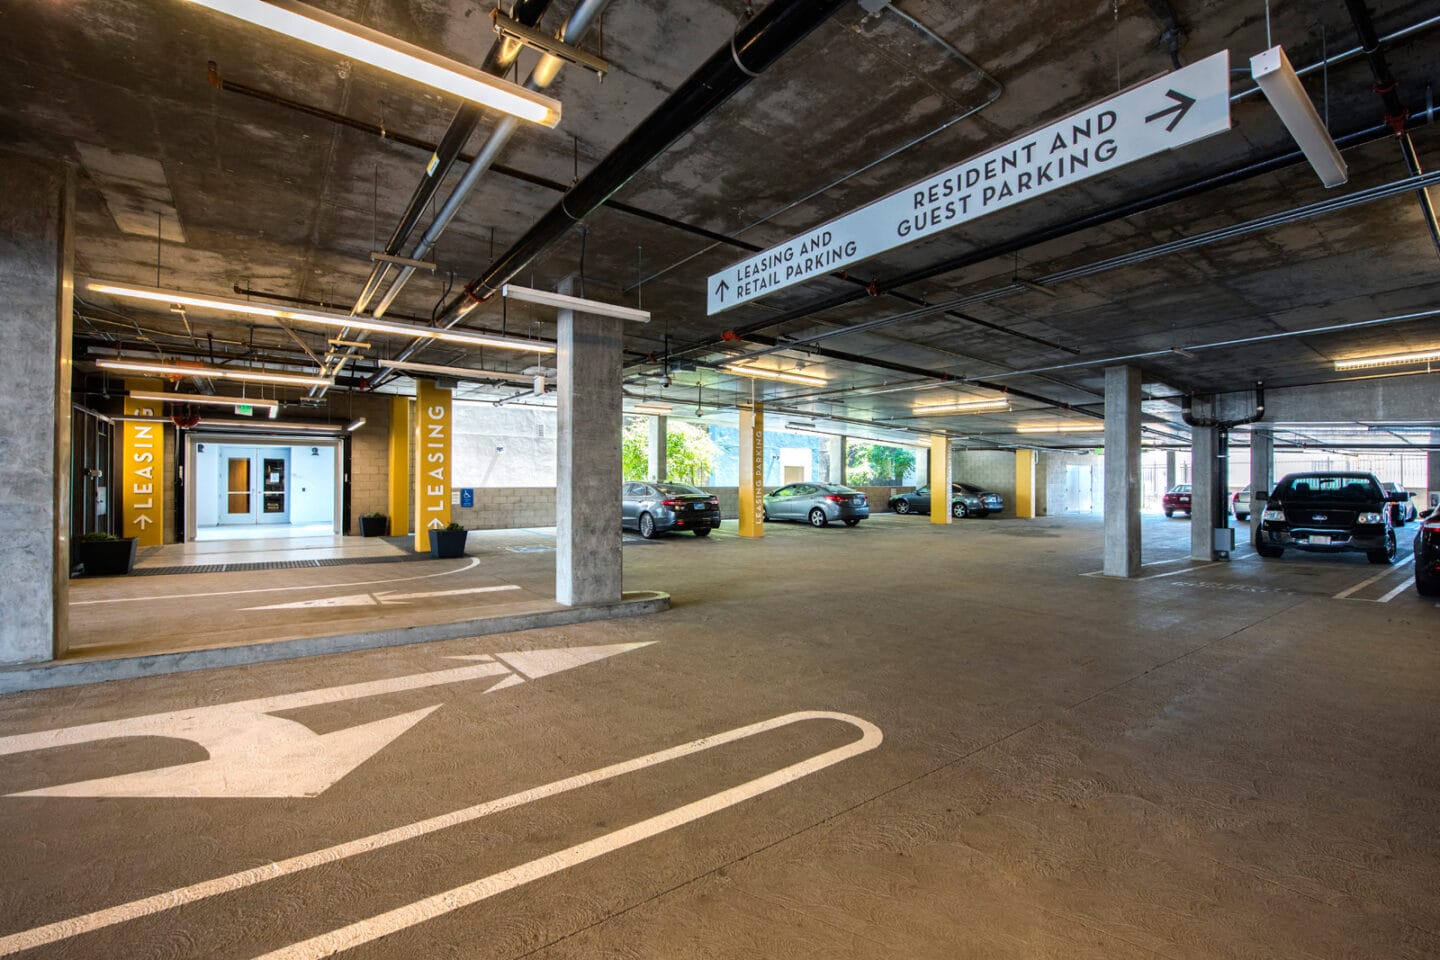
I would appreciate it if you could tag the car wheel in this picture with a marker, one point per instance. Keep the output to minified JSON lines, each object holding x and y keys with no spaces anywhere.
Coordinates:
{"x":958,"y":510}
{"x":702,"y":531}
{"x":1272,"y":553}
{"x":1242,"y":516}
{"x":818,"y":518}
{"x":1169,"y":514}
{"x":982,"y":514}
{"x":764,"y":515}
{"x":1427,"y":587}
{"x":851,"y":523}
{"x":901,"y":506}
{"x":1385,"y":554}
{"x":647,"y":526}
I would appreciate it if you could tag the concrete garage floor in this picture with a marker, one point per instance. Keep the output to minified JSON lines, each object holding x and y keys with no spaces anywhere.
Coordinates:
{"x":1223,"y":761}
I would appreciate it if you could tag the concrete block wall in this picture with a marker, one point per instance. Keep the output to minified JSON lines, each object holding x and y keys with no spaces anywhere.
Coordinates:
{"x":506,"y":508}
{"x":369,"y":458}
{"x":1051,"y":478}
{"x":991,"y":469}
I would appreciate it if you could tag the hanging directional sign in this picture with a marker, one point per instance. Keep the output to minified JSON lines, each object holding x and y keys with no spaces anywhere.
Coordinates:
{"x":1161,"y":114}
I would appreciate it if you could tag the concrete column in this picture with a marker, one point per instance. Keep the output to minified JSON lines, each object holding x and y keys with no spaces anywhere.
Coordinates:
{"x":1169,"y":469}
{"x":1204,"y":476}
{"x":845,"y":463}
{"x":939,"y":478}
{"x":398,"y":474}
{"x":835,"y":454}
{"x":1122,"y":472}
{"x":1025,"y":484}
{"x":588,"y":465}
{"x":655,"y":450}
{"x":37,"y":211}
{"x":434,"y":462}
{"x":1262,"y":473}
{"x":1432,"y":485}
{"x":752,"y":470}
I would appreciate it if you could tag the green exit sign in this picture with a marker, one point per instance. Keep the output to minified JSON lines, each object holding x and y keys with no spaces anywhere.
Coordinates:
{"x":244,"y":409}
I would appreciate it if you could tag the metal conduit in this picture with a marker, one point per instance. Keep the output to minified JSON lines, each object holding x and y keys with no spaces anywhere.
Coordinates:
{"x":1306,"y":212}
{"x":541,"y":77}
{"x":755,"y":46}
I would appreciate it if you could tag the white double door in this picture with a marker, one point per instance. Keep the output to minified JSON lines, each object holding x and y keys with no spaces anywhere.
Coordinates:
{"x":254,"y":485}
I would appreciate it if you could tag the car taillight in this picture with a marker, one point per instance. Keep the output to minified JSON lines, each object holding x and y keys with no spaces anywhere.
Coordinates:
{"x":836,"y":498}
{"x":715,"y":500}
{"x":1432,"y":525}
{"x":671,"y":503}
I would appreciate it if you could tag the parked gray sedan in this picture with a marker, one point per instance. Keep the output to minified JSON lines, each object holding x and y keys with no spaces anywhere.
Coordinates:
{"x":653,"y":508}
{"x":817,"y":503}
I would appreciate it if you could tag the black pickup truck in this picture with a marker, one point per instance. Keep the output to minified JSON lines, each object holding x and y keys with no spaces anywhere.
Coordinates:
{"x":1328,"y":512}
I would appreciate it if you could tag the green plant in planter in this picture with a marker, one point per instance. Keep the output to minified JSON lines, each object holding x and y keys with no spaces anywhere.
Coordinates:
{"x":96,"y":536}
{"x":449,"y":542}
{"x":105,"y":555}
{"x":374,"y":524}
{"x":455,"y":526}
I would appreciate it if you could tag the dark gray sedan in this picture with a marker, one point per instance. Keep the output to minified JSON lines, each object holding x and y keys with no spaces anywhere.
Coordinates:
{"x":655,"y":508}
{"x":817,"y":504}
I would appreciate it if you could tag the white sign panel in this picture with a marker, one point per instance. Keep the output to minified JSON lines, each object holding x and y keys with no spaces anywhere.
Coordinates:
{"x":1162,"y":114}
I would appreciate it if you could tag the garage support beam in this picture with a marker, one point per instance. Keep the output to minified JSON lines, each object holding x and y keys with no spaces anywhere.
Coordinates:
{"x":655,"y":468}
{"x":1169,"y":469}
{"x":1204,"y":477}
{"x":588,"y":469}
{"x":1025,"y":500}
{"x":752,"y":470}
{"x":835,"y":460}
{"x":1262,"y":473}
{"x":1428,"y":497}
{"x":939,"y":478}
{"x":398,"y":473}
{"x":37,"y":212}
{"x":1122,"y":472}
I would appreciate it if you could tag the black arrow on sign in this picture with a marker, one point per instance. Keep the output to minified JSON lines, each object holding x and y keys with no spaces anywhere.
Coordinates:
{"x":721,"y":289}
{"x":1182,"y":107}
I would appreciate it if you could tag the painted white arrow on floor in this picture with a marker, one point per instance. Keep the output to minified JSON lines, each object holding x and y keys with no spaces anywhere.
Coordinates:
{"x":254,"y":754}
{"x":380,"y":599}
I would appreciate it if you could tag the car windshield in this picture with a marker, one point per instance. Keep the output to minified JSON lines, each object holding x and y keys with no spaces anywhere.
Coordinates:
{"x":835,"y":488}
{"x":1331,"y":487}
{"x":965,"y":488}
{"x":1180,"y":488}
{"x":680,"y":490}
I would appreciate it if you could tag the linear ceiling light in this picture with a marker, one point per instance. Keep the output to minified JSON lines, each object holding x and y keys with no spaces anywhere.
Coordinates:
{"x":659,"y":408}
{"x":158,"y":397}
{"x":458,"y":373}
{"x":230,"y":305}
{"x":355,"y":424}
{"x":1282,"y":87}
{"x":1388,"y":360}
{"x":1067,"y":428}
{"x":963,"y":406}
{"x":559,"y":300}
{"x":357,"y":42}
{"x":219,"y":373}
{"x":765,"y":373}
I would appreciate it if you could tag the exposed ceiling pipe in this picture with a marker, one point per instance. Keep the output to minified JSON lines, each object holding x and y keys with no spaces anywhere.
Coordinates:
{"x":1395,"y":112}
{"x":753,"y":47}
{"x":545,"y":72}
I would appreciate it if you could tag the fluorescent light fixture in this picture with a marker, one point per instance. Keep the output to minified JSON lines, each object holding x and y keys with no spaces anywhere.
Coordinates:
{"x":219,"y":373}
{"x":964,"y":406}
{"x":1282,"y":87}
{"x":1059,"y":428}
{"x":357,"y":344}
{"x":658,"y":408}
{"x":765,"y":373}
{"x":794,"y":425}
{"x":323,"y":318}
{"x":1388,"y":360}
{"x":355,"y":424}
{"x":458,"y":373}
{"x":217,"y":401}
{"x":329,"y":32}
{"x":546,"y":298}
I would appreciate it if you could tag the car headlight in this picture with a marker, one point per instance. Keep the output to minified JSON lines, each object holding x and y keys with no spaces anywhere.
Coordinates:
{"x":1273,"y":514}
{"x":1369,"y":518}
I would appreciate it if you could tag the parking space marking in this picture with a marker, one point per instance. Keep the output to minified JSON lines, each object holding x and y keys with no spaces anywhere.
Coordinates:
{"x":431,"y":907}
{"x":1388,"y":572}
{"x":1404,"y":585}
{"x":382,"y":598}
{"x":471,"y":565}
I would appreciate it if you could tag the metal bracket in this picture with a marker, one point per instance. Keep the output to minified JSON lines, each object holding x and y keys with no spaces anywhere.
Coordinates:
{"x":512,"y":29}
{"x":381,"y":256}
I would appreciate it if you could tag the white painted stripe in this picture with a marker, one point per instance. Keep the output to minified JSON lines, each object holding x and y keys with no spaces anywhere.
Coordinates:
{"x":1152,"y":563}
{"x":1176,"y":573}
{"x":434,"y":906}
{"x":472,"y":564}
{"x":1387,"y":572}
{"x":1404,"y":585}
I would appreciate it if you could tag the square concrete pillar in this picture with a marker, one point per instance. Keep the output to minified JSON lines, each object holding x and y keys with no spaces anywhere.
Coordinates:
{"x":1025,"y":499}
{"x":834,"y":454}
{"x":588,"y":464}
{"x":1169,"y":469}
{"x":1122,"y":472}
{"x":37,"y":209}
{"x":939,"y":478}
{"x":655,"y":450}
{"x":1262,"y":473}
{"x":1430,"y":496}
{"x":1205,"y":480}
{"x":752,"y":470}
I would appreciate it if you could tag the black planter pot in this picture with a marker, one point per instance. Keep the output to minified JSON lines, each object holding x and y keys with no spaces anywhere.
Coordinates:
{"x":447,"y":543}
{"x":106,"y":558}
{"x":374,"y":526}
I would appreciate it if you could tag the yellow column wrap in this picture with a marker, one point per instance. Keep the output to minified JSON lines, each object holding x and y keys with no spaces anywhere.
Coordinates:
{"x":398,"y":488}
{"x":142,"y":469}
{"x":432,"y":461}
{"x":1025,"y":483}
{"x":939,"y":478}
{"x":752,"y":470}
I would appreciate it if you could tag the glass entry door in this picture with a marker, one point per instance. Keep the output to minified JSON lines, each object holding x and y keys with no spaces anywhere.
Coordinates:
{"x":237,"y":483}
{"x":254,"y":485}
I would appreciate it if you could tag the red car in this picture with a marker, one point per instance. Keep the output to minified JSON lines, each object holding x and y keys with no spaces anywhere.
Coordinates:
{"x":1177,"y":500}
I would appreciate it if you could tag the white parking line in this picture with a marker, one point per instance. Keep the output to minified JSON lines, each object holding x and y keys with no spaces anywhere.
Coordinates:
{"x":474,"y":562}
{"x":430,"y":907}
{"x":1405,"y":585}
{"x":1388,"y":572}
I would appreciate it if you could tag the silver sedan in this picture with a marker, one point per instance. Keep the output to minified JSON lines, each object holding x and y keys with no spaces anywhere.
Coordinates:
{"x":817,"y":503}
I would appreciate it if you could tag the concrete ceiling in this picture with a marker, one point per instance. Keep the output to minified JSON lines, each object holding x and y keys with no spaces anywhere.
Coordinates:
{"x":285,"y":196}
